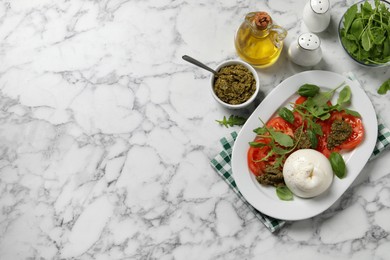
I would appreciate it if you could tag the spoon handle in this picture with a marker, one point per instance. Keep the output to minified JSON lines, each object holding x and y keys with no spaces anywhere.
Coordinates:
{"x":199,"y":64}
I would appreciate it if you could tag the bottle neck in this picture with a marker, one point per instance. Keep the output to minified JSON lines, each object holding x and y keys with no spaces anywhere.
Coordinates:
{"x":260,"y":23}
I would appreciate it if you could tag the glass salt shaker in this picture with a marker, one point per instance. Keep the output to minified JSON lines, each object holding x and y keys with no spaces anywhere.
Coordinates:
{"x":316,"y":15}
{"x":307,"y":50}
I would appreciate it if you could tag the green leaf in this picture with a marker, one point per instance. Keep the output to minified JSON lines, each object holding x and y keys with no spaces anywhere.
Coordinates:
{"x":324,"y":116}
{"x":316,"y":128}
{"x":280,"y":151}
{"x":232,"y":121}
{"x":344,"y":96}
{"x":378,"y":35}
{"x":324,"y":97}
{"x":257,"y":144}
{"x":284,"y":193}
{"x":281,"y":138}
{"x":357,"y":28}
{"x":286,"y":114}
{"x":366,"y":41}
{"x":313,"y":138}
{"x":260,"y":130}
{"x":352,"y":112}
{"x":384,"y":87}
{"x":308,"y":90}
{"x":338,"y":164}
{"x":349,"y":17}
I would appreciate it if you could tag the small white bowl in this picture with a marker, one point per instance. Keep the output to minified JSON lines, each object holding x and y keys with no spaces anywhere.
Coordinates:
{"x":255,"y":75}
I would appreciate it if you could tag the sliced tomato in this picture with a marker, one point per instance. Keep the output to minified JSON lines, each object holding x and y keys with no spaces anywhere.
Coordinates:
{"x":255,"y":154}
{"x":281,"y":125}
{"x":357,"y":129}
{"x":300,"y":100}
{"x":323,"y":140}
{"x":298,"y":121}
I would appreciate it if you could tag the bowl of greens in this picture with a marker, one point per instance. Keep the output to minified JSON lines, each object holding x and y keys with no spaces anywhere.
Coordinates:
{"x":364,"y":32}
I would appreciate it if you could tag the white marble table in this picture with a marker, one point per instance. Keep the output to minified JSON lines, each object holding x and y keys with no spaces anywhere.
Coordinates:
{"x":106,"y":136}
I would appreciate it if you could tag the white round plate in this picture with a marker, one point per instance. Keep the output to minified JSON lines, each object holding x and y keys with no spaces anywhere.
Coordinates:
{"x":264,"y":198}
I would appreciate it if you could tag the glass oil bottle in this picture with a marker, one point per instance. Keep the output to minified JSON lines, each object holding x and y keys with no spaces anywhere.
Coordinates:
{"x":258,"y":41}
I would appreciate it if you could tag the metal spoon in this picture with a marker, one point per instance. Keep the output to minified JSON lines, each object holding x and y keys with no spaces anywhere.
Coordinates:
{"x":199,"y":64}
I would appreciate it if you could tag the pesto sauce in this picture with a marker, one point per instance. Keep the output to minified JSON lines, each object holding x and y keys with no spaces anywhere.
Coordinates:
{"x":235,"y":84}
{"x":339,"y":132}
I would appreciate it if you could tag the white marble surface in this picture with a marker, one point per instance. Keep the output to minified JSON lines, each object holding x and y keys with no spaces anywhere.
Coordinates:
{"x":106,"y":136}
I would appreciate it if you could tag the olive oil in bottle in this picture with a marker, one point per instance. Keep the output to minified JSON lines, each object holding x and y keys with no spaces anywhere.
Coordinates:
{"x":258,"y":41}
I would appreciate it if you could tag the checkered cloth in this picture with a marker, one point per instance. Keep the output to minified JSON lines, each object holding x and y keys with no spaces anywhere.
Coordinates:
{"x":221,"y":163}
{"x":383,"y":140}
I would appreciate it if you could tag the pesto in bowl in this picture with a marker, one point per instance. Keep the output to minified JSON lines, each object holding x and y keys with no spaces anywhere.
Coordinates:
{"x":236,"y":85}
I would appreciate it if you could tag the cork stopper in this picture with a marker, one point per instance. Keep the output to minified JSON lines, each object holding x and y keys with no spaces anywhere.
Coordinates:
{"x":262,"y":20}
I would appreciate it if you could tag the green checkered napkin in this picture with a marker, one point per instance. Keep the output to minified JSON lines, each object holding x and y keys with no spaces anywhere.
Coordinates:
{"x":221,"y":163}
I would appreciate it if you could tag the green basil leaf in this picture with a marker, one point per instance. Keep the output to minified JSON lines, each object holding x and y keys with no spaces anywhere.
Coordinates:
{"x":284,"y":193}
{"x":344,"y":96}
{"x":308,"y":90}
{"x":286,"y":114}
{"x":281,"y":138}
{"x":313,"y":139}
{"x":338,"y":164}
{"x":352,"y":112}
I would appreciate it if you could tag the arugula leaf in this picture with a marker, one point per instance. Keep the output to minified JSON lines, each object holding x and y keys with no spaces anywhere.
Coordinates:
{"x":321,"y":98}
{"x":260,"y":130}
{"x":313,"y":138}
{"x":357,"y":28}
{"x":366,"y":40}
{"x":384,"y":87}
{"x":281,"y":138}
{"x":232,"y":121}
{"x":257,"y":144}
{"x":316,"y":128}
{"x":349,"y":17}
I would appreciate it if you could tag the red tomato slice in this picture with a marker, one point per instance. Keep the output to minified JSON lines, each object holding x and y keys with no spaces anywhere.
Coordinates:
{"x":255,"y":155}
{"x":323,"y":140}
{"x":281,"y":125}
{"x":298,"y":121}
{"x":357,"y":130}
{"x":300,"y":100}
